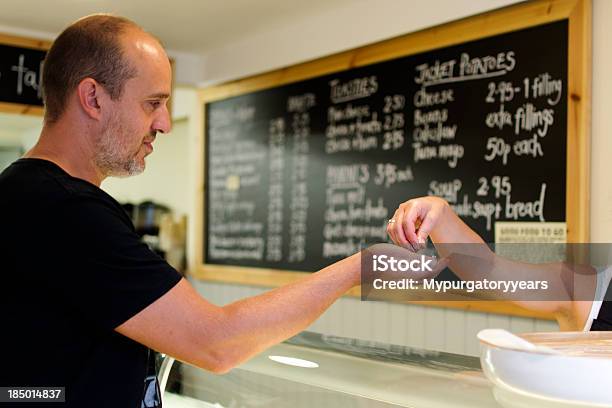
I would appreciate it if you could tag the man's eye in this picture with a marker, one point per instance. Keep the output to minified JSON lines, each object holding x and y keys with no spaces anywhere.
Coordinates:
{"x":155,"y":104}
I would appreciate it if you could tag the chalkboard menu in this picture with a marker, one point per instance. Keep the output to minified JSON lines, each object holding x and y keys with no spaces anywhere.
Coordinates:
{"x":300,"y":175}
{"x":304,"y":165}
{"x":21,"y":74}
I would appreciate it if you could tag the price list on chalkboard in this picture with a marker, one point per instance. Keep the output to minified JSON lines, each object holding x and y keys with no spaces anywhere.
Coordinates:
{"x":301,"y":175}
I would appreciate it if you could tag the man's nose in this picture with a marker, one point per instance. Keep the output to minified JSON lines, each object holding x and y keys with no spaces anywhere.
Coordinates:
{"x":163,"y":122}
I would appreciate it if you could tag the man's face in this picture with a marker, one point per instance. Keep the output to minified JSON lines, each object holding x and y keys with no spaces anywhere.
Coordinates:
{"x":132,"y":122}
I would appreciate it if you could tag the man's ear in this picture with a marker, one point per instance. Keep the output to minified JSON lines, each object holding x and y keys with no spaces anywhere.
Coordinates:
{"x":92,"y":97}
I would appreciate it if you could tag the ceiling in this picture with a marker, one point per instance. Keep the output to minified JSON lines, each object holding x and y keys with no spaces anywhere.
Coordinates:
{"x":193,"y":26}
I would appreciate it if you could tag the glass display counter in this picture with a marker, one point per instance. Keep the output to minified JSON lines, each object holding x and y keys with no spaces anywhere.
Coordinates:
{"x":313,"y":370}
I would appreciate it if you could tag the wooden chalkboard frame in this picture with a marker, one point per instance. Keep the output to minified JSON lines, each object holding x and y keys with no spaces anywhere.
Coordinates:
{"x":43,"y":45}
{"x":516,"y":17}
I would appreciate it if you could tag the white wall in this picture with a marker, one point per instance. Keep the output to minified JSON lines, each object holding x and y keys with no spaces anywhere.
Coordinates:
{"x":19,"y":130}
{"x":601,"y":131}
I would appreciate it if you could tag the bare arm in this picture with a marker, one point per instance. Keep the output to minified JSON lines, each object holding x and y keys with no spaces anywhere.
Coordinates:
{"x":184,"y":325}
{"x":417,"y":219}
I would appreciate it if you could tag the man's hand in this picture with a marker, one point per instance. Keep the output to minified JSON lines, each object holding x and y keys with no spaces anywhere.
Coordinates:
{"x":415,"y":220}
{"x":385,"y":267}
{"x":432,"y":266}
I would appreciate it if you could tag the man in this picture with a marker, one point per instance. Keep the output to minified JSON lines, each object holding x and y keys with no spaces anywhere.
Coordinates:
{"x":579,"y":296}
{"x":82,"y":298}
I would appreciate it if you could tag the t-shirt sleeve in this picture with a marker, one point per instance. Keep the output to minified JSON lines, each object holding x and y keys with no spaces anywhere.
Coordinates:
{"x":600,"y":315}
{"x":105,"y":272}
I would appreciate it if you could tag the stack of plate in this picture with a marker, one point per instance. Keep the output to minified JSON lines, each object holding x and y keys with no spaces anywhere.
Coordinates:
{"x":579,"y":374}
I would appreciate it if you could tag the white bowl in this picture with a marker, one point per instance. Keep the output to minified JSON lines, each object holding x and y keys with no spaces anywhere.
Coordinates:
{"x":582,"y":373}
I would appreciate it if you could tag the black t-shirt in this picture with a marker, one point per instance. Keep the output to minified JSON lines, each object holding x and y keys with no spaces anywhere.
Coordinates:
{"x":73,"y":269}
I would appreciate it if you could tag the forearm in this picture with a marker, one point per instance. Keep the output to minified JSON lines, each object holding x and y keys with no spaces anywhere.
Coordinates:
{"x":253,"y":324}
{"x":450,"y":229}
{"x":470,"y":258}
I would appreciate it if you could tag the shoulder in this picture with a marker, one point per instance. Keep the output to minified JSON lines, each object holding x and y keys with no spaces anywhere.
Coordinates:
{"x":94,"y":215}
{"x":44,"y":187}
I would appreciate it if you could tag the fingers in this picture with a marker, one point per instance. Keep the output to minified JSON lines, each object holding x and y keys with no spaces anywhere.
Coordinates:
{"x":415,"y":214}
{"x":395,"y":231}
{"x":411,"y":219}
{"x":414,"y":221}
{"x":403,"y":230}
{"x":428,"y":222}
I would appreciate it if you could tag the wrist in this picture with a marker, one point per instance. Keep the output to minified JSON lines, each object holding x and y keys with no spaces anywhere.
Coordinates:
{"x":446,"y":209}
{"x":445,"y":213}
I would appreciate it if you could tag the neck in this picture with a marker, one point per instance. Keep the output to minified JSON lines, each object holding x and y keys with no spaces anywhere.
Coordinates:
{"x":70,"y":148}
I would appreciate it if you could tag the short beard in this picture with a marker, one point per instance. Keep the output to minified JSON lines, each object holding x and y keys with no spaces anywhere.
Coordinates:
{"x":112,"y":157}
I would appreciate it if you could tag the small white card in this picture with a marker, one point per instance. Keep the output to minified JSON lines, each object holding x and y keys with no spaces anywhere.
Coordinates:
{"x":528,"y":232}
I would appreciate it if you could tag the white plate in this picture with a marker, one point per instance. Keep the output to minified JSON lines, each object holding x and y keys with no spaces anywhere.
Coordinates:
{"x":580,"y":376}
